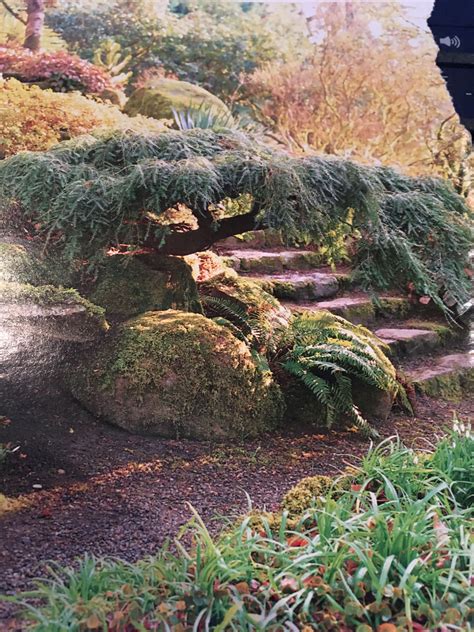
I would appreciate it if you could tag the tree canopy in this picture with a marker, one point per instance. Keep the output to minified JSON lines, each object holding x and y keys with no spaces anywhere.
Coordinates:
{"x":113,"y":191}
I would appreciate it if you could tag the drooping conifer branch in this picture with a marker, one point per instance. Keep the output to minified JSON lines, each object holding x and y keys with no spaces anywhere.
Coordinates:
{"x":93,"y":193}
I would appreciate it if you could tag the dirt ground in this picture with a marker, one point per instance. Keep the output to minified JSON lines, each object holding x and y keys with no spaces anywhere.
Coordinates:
{"x":106,"y":492}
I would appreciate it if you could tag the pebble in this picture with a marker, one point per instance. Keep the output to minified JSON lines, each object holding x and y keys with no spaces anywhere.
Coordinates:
{"x":61,"y":471}
{"x":37,"y":486}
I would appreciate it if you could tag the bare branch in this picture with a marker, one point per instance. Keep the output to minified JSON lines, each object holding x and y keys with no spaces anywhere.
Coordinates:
{"x":16,"y":15}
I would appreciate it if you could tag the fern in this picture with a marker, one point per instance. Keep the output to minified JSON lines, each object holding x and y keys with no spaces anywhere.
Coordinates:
{"x":327,"y":354}
{"x":322,"y":351}
{"x":228,"y":312}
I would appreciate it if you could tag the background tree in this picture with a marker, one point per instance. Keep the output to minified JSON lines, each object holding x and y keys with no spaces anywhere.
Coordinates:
{"x":209,"y":43}
{"x":34,"y":24}
{"x":91,"y":195}
{"x":354,"y":96}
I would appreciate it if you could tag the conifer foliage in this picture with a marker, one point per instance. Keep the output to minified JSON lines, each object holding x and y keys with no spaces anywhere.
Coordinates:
{"x":103,"y":191}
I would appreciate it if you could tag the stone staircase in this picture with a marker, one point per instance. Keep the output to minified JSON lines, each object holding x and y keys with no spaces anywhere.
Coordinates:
{"x":436,"y":357}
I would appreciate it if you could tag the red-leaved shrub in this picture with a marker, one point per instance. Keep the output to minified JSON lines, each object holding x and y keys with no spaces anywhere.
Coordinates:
{"x":60,"y":70}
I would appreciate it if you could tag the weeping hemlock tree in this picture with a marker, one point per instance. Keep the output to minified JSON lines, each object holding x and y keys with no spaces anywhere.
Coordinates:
{"x":101,"y":192}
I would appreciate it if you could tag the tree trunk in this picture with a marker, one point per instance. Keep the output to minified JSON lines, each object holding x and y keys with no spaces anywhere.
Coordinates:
{"x":189,"y":242}
{"x":34,"y":24}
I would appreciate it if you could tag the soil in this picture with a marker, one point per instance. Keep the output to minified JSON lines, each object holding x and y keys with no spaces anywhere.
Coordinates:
{"x":106,"y":492}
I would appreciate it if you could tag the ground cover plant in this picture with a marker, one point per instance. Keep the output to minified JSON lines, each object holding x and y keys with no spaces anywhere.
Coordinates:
{"x":380,"y":549}
{"x":111,"y":191}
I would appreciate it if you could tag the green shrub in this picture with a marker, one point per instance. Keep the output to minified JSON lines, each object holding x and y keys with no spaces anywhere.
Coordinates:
{"x":112,"y":190}
{"x":415,"y":473}
{"x":300,"y":497}
{"x":35,"y":119}
{"x":378,"y":558}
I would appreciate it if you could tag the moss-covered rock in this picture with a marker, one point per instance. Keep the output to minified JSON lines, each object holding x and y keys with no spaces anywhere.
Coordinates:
{"x":43,"y":328}
{"x":62,"y":312}
{"x":262,"y":310}
{"x":23,"y":262}
{"x":174,"y":374}
{"x":126,"y":287}
{"x":160,"y":97}
{"x":447,"y":377}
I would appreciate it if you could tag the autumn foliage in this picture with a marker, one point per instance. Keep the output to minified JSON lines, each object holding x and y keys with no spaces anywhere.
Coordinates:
{"x":61,"y":70}
{"x":370,"y":90}
{"x":35,"y":119}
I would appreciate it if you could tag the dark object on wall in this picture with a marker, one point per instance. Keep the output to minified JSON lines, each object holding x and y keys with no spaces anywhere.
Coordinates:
{"x":452,"y":25}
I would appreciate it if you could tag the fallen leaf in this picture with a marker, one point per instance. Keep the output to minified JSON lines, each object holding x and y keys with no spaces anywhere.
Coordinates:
{"x":93,"y":622}
{"x":289,"y":585}
{"x":46,"y":513}
{"x":243,"y":588}
{"x":296,"y":540}
{"x":424,"y":300}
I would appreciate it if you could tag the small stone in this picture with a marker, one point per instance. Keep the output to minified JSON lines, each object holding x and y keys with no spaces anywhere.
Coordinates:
{"x":60,"y":471}
{"x":37,"y":486}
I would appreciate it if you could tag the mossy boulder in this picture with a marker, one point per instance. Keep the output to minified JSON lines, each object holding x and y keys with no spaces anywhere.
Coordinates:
{"x":176,"y":373}
{"x":127,"y":287}
{"x":160,"y":97}
{"x":263,"y":311}
{"x":42,"y":329}
{"x":24,"y":262}
{"x":61,"y":313}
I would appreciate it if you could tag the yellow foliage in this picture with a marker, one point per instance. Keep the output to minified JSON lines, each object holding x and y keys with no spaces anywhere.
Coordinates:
{"x":10,"y":504}
{"x":35,"y":119}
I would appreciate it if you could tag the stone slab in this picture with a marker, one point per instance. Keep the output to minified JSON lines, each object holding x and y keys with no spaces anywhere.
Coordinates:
{"x":409,"y":341}
{"x":264,"y":261}
{"x":447,"y":377}
{"x":300,"y":286}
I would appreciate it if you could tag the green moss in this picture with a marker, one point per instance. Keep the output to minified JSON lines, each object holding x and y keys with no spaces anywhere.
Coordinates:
{"x":126,"y":287}
{"x":359,"y":313}
{"x":302,"y":496}
{"x":20,"y":263}
{"x":393,"y":306}
{"x":48,"y":295}
{"x":285,"y":290}
{"x":444,"y":332}
{"x":261,"y":264}
{"x":450,"y":387}
{"x":308,"y":260}
{"x":176,"y":373}
{"x":161,"y":96}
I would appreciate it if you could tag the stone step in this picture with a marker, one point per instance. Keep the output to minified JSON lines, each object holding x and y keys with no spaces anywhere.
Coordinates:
{"x":415,"y":337}
{"x":409,"y":342}
{"x":359,"y":309}
{"x":268,"y":262}
{"x":301,"y":286}
{"x":448,"y":377}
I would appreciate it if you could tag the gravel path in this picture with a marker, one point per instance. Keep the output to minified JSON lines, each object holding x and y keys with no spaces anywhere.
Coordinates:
{"x":106,"y":492}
